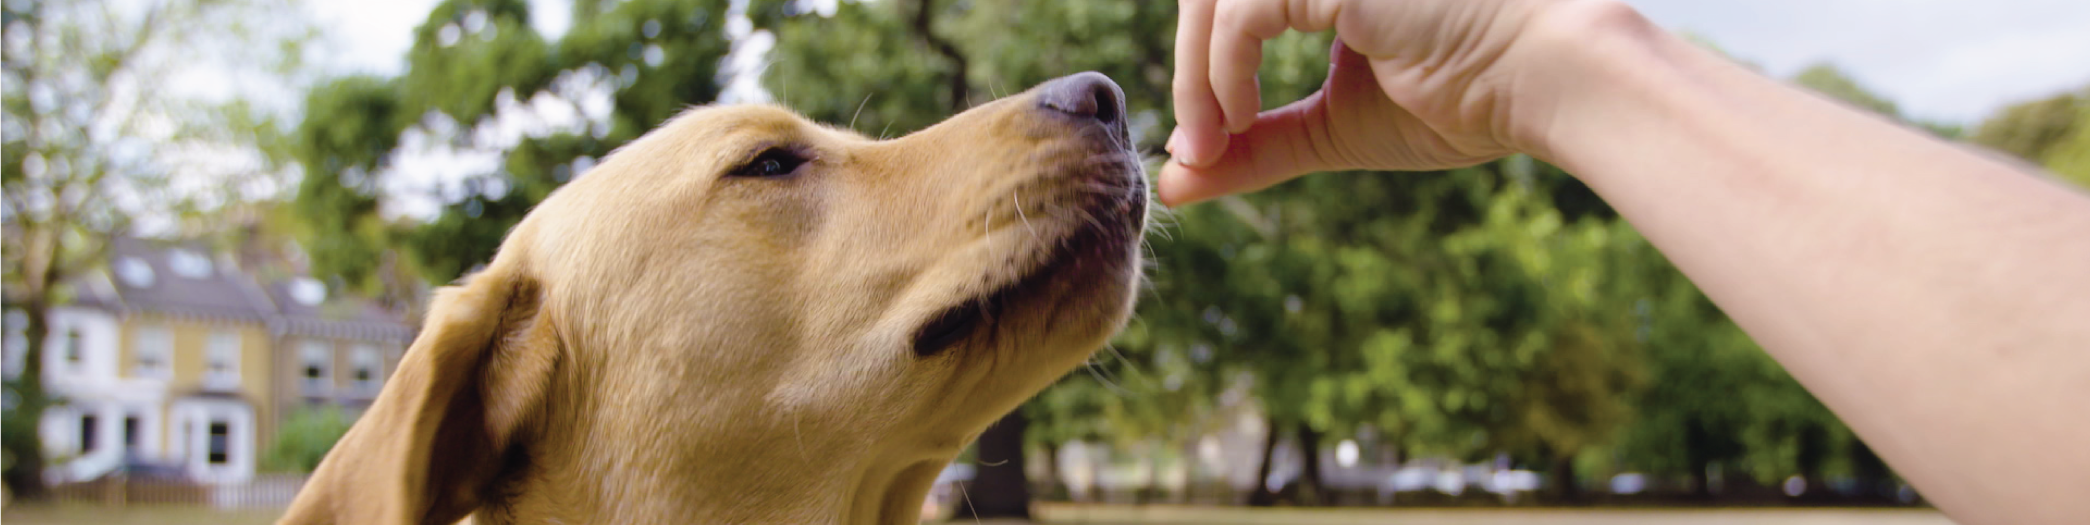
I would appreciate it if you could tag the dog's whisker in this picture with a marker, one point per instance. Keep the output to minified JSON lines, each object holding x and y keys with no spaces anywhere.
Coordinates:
{"x":1019,"y":212}
{"x":859,"y":110}
{"x":1112,"y":386}
{"x":968,"y":502}
{"x":799,"y":436}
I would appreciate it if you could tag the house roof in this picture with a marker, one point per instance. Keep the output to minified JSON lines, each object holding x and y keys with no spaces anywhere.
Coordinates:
{"x":304,"y":306}
{"x":191,"y":280}
{"x":182,"y":279}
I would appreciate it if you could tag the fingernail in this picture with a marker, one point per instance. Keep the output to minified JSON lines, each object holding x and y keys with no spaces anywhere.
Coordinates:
{"x":1174,"y":137}
{"x":1186,"y":151}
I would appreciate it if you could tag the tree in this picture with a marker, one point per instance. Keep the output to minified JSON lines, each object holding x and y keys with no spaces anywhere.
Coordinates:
{"x":474,"y":63}
{"x":2028,"y":130}
{"x":304,"y":438}
{"x":2053,"y":132}
{"x":91,"y":139}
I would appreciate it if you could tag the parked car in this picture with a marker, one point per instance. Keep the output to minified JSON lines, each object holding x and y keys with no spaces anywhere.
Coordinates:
{"x":139,"y":468}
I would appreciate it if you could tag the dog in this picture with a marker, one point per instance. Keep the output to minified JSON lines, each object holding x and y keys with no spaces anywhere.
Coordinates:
{"x":745,"y":317}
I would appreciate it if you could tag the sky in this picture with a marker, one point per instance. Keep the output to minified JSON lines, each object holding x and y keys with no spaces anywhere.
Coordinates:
{"x":1945,"y":60}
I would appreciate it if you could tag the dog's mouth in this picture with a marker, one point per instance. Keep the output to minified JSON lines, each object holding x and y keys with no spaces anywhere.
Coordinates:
{"x":1109,"y":211}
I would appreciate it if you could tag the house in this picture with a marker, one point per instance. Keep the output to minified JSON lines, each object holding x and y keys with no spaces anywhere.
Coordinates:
{"x":334,"y":350}
{"x":176,"y":355}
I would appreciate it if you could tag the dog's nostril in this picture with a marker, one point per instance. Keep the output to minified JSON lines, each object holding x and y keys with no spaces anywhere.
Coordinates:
{"x":1088,"y":94}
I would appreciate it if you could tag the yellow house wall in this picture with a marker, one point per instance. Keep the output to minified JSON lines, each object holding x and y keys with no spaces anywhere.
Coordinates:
{"x":191,"y":341}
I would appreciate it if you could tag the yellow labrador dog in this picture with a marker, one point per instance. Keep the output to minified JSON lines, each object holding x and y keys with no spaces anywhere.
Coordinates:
{"x":744,"y":317}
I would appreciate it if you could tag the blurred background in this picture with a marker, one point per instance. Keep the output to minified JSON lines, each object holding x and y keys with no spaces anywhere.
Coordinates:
{"x":223,"y":216}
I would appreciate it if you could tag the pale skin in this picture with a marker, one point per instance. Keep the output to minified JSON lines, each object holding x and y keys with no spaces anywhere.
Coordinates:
{"x":1935,"y":297}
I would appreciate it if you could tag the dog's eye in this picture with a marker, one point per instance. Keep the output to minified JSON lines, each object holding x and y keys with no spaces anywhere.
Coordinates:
{"x":774,"y":162}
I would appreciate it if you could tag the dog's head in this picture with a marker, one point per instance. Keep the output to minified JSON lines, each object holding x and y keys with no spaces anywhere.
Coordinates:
{"x":744,"y":316}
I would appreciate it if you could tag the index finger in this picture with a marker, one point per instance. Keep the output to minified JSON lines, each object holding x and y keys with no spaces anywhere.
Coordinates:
{"x":1199,"y":138}
{"x":1238,"y":30}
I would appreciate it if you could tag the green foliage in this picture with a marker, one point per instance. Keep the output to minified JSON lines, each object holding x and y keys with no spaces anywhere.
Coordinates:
{"x":2053,"y":132}
{"x":2028,"y":130}
{"x":304,"y":438}
{"x":467,"y":52}
{"x":659,"y":56}
{"x":2069,"y":157}
{"x":351,"y":125}
{"x":860,"y":68}
{"x":1828,"y":80}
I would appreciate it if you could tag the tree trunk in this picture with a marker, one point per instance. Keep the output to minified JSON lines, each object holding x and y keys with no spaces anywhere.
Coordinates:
{"x":1563,"y":474}
{"x":1262,"y":496}
{"x":923,"y":29}
{"x":1148,"y":492}
{"x":999,"y":488}
{"x":1310,"y":476}
{"x":24,"y":476}
{"x":1193,"y":470}
{"x":1052,"y":485}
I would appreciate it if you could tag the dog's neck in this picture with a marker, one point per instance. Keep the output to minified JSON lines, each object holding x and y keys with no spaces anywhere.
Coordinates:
{"x":816,"y":491}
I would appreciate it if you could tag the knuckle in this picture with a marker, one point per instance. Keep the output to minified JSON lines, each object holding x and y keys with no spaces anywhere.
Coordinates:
{"x":1185,"y":86}
{"x":1230,"y":15}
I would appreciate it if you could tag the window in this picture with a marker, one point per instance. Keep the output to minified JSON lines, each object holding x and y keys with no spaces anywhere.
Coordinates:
{"x":155,"y":349}
{"x":134,"y":272}
{"x":318,"y":370}
{"x":222,"y":361}
{"x":189,"y":264}
{"x":308,"y":291}
{"x":87,"y":437}
{"x":364,"y":364}
{"x":72,"y":349}
{"x":220,"y":443}
{"x":130,"y":433}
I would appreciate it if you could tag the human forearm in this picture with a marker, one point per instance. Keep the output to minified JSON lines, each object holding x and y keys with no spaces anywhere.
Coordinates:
{"x":1937,"y":299}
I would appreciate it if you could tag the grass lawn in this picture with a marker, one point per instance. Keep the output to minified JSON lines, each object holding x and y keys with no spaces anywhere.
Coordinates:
{"x":1148,"y":515}
{"x":71,"y":513}
{"x":1173,"y":515}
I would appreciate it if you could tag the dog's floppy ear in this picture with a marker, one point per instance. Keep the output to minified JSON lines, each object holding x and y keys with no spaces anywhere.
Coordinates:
{"x":451,"y":417}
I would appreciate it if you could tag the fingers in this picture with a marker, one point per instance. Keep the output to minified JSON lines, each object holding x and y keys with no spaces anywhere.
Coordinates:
{"x":1239,"y":28}
{"x":1219,"y":45}
{"x":1278,"y":145}
{"x":1199,"y":136}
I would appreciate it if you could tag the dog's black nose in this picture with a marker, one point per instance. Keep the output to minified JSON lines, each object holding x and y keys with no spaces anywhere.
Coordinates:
{"x":1087,"y":94}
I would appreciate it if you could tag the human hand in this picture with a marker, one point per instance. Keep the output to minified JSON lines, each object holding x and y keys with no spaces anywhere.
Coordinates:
{"x":1412,"y":85}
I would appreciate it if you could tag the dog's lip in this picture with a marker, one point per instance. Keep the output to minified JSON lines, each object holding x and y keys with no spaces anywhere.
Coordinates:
{"x":1112,"y":229}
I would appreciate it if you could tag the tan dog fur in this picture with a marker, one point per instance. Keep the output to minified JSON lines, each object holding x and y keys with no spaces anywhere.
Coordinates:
{"x":662,"y":342}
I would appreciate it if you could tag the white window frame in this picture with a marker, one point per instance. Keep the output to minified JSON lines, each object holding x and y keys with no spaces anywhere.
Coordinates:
{"x":221,"y":357}
{"x":361,"y":357}
{"x":311,"y":352}
{"x":155,"y":341}
{"x":190,"y":439}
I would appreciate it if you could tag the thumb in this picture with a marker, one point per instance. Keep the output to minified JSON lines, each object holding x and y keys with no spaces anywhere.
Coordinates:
{"x":1282,"y":144}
